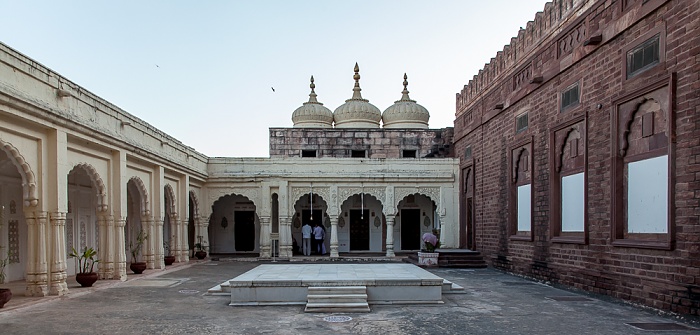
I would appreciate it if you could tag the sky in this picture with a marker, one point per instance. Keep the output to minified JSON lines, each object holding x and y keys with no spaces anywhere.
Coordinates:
{"x":204,"y":71}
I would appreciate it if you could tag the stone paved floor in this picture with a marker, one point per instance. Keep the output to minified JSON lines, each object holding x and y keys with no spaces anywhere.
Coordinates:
{"x":173,"y":302}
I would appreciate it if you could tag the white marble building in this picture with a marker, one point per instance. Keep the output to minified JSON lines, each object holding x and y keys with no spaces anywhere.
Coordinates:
{"x":78,"y":171}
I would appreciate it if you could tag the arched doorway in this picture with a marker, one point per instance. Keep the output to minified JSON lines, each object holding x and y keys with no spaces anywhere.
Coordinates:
{"x":192,"y":213}
{"x":416,"y":216}
{"x":13,"y":227}
{"x":81,"y":227}
{"x":169,"y":229}
{"x":234,"y":226}
{"x":136,"y":206}
{"x":360,"y":226}
{"x":310,"y":209}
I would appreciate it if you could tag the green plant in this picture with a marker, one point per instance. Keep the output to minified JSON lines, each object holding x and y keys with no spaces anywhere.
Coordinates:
{"x":86,"y":259}
{"x":135,"y":248}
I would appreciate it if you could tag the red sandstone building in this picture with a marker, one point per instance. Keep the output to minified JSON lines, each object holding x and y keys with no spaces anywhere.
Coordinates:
{"x":580,"y":151}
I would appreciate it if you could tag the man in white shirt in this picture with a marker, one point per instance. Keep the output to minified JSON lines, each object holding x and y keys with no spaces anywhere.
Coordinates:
{"x":319,"y":234}
{"x":306,"y":239}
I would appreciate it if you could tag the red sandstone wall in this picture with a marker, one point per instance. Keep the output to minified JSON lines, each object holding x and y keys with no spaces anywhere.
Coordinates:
{"x":664,"y":278}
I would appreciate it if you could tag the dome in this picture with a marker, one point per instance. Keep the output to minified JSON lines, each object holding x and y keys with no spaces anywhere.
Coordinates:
{"x":357,"y":112}
{"x":312,"y":114}
{"x":405,"y":113}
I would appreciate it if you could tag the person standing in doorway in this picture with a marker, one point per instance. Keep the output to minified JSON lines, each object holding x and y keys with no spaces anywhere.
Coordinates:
{"x":319,"y":234}
{"x":306,"y":239}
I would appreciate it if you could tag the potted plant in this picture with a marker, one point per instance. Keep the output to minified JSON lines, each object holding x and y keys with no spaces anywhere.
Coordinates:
{"x":201,"y":252}
{"x":86,"y":263}
{"x":135,"y":248}
{"x":428,"y":256}
{"x":168,"y":259}
{"x":5,"y":293}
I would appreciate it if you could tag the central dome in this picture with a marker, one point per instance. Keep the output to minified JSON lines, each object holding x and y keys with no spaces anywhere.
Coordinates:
{"x":357,"y":112}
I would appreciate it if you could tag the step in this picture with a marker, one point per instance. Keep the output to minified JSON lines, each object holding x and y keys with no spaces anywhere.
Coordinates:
{"x":337,"y":298}
{"x":337,"y":290}
{"x":337,"y":308}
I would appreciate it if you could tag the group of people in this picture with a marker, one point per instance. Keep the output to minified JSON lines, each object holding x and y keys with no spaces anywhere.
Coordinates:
{"x":312,"y":239}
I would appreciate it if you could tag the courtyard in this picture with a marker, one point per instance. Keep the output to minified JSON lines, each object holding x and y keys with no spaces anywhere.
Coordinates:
{"x":174,"y":301}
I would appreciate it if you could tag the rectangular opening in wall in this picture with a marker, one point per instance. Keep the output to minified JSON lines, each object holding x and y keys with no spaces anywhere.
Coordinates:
{"x":308,"y":153}
{"x":643,"y":57}
{"x":647,"y":196}
{"x":570,"y":96}
{"x":359,"y":153}
{"x":468,"y":152}
{"x":524,"y":207}
{"x":572,"y":203}
{"x":408,"y":154}
{"x":521,"y":123}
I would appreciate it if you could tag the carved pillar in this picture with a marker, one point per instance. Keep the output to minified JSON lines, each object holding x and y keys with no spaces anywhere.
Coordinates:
{"x":286,"y":237}
{"x":58,"y":284}
{"x":265,"y":242}
{"x":106,"y":250}
{"x":183,"y":247}
{"x":390,"y":236}
{"x":147,"y":250}
{"x":334,"y":236}
{"x":37,"y":279}
{"x":119,"y":249}
{"x":157,"y":244}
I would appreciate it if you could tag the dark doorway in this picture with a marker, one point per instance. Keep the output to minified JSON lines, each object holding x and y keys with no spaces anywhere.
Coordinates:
{"x":190,"y":225}
{"x":306,"y":217}
{"x":245,"y":230}
{"x":470,"y":224}
{"x":410,"y":229}
{"x":359,"y":229}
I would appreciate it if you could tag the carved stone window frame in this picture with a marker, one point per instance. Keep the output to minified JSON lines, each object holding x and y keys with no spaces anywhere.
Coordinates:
{"x":622,"y":152}
{"x":518,"y":176}
{"x":558,"y":156}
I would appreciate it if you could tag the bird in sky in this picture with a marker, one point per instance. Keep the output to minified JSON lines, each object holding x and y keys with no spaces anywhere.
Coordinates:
{"x":273,"y":89}
{"x":157,"y":65}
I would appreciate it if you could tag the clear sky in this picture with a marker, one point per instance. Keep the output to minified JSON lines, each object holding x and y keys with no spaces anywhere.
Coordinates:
{"x":203,"y":71}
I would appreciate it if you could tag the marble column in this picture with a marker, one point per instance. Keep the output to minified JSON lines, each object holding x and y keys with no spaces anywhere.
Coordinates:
{"x":184,"y":246}
{"x":37,"y":269}
{"x":265,"y":242}
{"x":390,"y":236}
{"x":286,"y":237}
{"x":334,"y":237}
{"x":120,"y":249}
{"x":58,"y":284}
{"x":106,"y":249}
{"x":157,"y":244}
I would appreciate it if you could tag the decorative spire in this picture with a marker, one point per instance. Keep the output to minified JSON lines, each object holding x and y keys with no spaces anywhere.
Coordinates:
{"x":312,"y":95}
{"x":356,"y":90}
{"x":404,"y":96}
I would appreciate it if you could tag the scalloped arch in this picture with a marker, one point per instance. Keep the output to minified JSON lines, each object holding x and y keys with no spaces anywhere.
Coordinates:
{"x":624,"y":145}
{"x":573,"y":131}
{"x":143,"y":193}
{"x":171,"y":194}
{"x":195,"y":202}
{"x":29,"y":187}
{"x":517,"y":163}
{"x":97,"y":182}
{"x":433,"y":193}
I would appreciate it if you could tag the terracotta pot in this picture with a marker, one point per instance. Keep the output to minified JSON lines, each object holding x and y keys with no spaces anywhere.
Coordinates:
{"x":86,"y":279}
{"x":5,"y":296}
{"x":169,"y":260}
{"x":200,"y":254}
{"x":138,"y":267}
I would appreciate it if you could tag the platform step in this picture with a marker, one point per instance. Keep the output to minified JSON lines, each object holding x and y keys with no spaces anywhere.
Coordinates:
{"x":337,"y":299}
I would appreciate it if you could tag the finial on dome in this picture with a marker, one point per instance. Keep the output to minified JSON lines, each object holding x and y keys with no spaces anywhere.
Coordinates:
{"x":312,"y":95}
{"x":405,"y":88}
{"x":356,"y":90}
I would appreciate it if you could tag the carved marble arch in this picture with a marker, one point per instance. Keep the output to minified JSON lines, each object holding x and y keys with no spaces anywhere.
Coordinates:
{"x":433,"y":193}
{"x":171,"y":194}
{"x":300,"y":191}
{"x":571,"y":134}
{"x":195,"y":202}
{"x":143,"y":194}
{"x":646,"y":105}
{"x":378,"y":192}
{"x":97,"y":182}
{"x":29,"y":187}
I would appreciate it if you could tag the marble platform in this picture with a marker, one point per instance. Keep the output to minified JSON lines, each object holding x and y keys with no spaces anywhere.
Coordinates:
{"x":287,"y":284}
